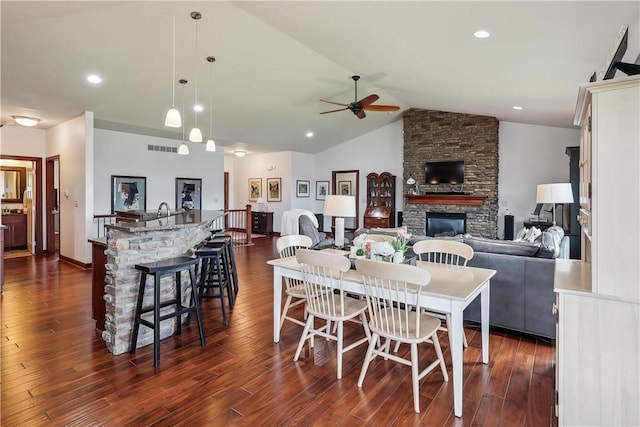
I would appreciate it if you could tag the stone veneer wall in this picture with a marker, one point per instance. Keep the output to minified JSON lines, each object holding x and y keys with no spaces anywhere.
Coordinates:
{"x":442,"y":136}
{"x":124,"y":251}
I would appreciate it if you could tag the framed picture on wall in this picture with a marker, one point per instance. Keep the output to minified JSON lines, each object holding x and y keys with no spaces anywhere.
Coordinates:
{"x":322,"y":189}
{"x":344,"y":188}
{"x":302,"y":188}
{"x":188,"y":193}
{"x":255,"y":189}
{"x":274,"y":189}
{"x":128,"y":193}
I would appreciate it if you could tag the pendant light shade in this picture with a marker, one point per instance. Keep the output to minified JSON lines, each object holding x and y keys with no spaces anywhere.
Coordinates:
{"x":183,"y":149}
{"x":195,"y":135}
{"x":173,"y":119}
{"x":211,"y":146}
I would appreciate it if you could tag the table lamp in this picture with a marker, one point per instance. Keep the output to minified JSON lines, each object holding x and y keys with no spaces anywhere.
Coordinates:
{"x":261,"y":205}
{"x":554,"y":193}
{"x":340,"y":207}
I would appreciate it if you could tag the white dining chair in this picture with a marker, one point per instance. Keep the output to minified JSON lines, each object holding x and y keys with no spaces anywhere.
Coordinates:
{"x":444,"y":252}
{"x":393,"y":294}
{"x":296,"y":295}
{"x":326,"y":299}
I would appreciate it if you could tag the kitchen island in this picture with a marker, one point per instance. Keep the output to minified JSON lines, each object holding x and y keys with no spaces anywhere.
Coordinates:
{"x":133,"y":242}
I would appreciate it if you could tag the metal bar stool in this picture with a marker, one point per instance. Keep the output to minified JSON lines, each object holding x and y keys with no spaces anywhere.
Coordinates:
{"x":229,"y":257}
{"x":214,"y":277}
{"x":158,"y":269}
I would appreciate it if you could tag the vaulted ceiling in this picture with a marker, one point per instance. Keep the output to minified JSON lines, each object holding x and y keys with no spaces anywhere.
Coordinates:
{"x":276,"y":60}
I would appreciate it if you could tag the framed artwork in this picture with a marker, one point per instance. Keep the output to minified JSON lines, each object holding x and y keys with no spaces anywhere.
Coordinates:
{"x":302,"y":188}
{"x":255,"y":189}
{"x":128,"y":193}
{"x":322,"y":189}
{"x":274,"y":189}
{"x":188,"y":193}
{"x":344,"y":188}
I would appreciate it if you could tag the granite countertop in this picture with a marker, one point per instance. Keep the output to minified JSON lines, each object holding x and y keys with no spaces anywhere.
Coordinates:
{"x":175,"y":221}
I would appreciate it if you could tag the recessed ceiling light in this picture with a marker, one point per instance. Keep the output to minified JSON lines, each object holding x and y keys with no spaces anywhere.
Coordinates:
{"x":94,"y":78}
{"x":481,"y":34}
{"x":239,"y":153}
{"x":517,"y":107}
{"x":309,"y":134}
{"x":26,"y":121}
{"x":197,"y":107}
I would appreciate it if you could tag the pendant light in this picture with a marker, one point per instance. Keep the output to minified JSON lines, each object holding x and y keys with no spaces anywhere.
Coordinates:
{"x":211,"y":145}
{"x":173,"y":119}
{"x":195,"y":135}
{"x":183,"y":149}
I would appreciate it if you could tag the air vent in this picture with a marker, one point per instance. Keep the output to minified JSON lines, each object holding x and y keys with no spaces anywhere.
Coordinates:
{"x":162,"y":148}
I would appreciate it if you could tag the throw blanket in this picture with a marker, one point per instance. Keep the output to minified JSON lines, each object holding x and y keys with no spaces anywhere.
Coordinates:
{"x":290,"y":223}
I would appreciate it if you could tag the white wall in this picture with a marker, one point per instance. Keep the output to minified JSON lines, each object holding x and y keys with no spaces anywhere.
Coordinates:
{"x":119,"y":153}
{"x":530,"y":155}
{"x":73,"y":141}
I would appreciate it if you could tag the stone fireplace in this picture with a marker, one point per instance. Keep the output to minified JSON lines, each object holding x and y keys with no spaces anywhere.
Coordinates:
{"x":442,"y":136}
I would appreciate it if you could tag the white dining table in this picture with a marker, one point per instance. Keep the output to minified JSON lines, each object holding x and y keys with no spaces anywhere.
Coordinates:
{"x":451,"y":289}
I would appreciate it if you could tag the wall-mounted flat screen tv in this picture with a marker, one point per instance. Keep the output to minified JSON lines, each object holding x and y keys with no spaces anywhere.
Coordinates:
{"x":444,"y":172}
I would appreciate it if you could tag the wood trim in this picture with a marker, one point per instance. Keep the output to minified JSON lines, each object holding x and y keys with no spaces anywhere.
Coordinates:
{"x":446,"y":199}
{"x":75,"y":262}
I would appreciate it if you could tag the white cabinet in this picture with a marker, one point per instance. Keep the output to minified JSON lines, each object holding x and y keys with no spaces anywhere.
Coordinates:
{"x":598,"y":342}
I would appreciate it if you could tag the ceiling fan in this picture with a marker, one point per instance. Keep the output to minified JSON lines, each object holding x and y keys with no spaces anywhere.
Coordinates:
{"x":358,"y":107}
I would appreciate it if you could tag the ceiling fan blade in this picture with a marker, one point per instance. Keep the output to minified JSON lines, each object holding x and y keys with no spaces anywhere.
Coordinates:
{"x":382,"y":108}
{"x":361,"y":114}
{"x":334,"y":103}
{"x":334,"y":111}
{"x":368,"y":100}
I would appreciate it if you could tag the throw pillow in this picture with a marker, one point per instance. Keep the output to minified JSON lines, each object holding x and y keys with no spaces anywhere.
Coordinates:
{"x":521,"y":234}
{"x":532,"y":234}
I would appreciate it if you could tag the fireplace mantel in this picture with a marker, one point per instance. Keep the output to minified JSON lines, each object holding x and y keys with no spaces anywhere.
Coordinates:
{"x":446,"y":199}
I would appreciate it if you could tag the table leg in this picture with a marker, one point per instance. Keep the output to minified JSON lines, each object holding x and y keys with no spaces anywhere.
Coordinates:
{"x":277,"y":301}
{"x":484,"y":320}
{"x":455,"y":339}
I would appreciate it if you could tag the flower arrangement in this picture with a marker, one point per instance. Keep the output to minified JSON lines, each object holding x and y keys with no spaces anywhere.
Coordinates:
{"x":400,"y":242}
{"x":383,"y":249}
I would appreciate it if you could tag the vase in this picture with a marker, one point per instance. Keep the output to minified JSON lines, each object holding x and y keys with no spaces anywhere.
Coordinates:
{"x":398,"y":257}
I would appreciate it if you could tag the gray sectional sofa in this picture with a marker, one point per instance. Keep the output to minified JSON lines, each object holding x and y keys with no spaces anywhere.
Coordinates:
{"x":522,"y":290}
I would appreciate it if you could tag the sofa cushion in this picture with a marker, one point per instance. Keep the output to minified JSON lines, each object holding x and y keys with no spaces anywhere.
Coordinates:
{"x":507,"y":247}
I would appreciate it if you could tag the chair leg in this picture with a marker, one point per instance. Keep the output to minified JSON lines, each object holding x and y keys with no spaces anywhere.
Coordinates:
{"x":156,"y":321}
{"x":136,"y":321}
{"x":287,"y":303}
{"x":340,"y":346}
{"x":414,"y":377}
{"x":368,"y":358}
{"x":196,"y":303}
{"x":443,"y":367}
{"x":303,"y":338}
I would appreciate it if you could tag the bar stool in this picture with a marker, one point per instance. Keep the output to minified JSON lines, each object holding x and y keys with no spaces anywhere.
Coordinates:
{"x":158,"y":269}
{"x":213,"y":276}
{"x":226,"y":241}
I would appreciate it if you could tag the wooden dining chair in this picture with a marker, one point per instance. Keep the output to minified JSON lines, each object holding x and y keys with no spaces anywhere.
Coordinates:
{"x":327,"y":300}
{"x":444,"y":252}
{"x":393,"y":294}
{"x":296,"y":295}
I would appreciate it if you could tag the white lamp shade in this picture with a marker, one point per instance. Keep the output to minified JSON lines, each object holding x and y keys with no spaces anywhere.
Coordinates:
{"x":554,"y":193}
{"x":211,"y":146}
{"x":173,"y":119}
{"x":195,"y":135}
{"x":340,"y":206}
{"x":183,"y":149}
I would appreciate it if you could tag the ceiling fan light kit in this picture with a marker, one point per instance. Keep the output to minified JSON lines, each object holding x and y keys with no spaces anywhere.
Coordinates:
{"x":358,"y":107}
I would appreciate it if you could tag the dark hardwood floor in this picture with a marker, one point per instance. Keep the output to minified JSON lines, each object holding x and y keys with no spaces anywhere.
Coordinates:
{"x":57,"y":371}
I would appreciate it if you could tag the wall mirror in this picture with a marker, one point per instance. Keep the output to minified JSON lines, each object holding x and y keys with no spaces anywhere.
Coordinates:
{"x":13,"y":181}
{"x":347,"y":183}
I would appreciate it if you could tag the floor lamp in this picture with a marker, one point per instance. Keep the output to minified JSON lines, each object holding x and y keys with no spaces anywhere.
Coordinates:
{"x":340,"y":207}
{"x":554,"y":193}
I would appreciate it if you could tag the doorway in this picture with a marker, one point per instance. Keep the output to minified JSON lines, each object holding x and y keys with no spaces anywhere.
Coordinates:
{"x":52,"y":203}
{"x":32,"y":205}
